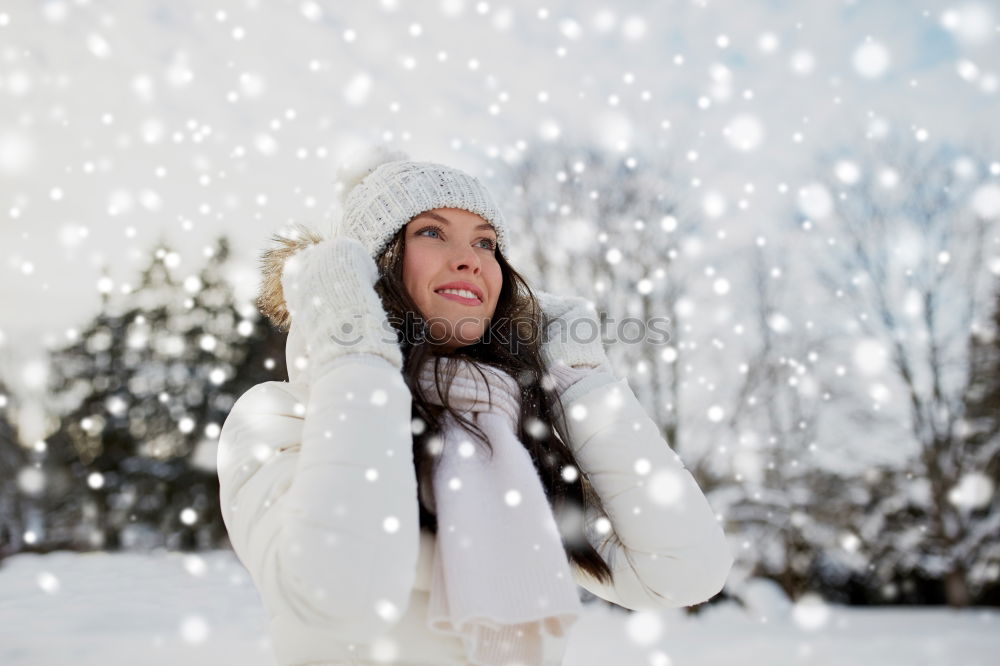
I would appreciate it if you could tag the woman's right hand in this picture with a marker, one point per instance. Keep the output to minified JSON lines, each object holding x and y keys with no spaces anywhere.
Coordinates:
{"x":330,"y":295}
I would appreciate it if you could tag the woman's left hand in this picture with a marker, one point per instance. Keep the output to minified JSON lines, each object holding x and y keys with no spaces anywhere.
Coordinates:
{"x":572,"y":338}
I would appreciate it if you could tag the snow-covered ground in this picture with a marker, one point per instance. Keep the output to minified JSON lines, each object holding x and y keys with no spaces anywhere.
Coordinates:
{"x":98,"y":609}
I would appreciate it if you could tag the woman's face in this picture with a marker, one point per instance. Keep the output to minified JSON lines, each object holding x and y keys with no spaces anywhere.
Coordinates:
{"x":452,"y":248}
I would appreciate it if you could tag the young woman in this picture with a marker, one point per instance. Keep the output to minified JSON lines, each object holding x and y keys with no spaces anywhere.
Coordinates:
{"x":452,"y":454}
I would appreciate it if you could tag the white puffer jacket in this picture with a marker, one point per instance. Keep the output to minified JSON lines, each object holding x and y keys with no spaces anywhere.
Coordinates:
{"x":323,"y":467}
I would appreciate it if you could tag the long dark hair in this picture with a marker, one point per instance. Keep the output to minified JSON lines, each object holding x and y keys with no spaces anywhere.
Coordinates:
{"x":512,"y":344}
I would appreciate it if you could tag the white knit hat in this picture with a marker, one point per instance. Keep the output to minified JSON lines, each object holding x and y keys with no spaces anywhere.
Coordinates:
{"x":383,"y":190}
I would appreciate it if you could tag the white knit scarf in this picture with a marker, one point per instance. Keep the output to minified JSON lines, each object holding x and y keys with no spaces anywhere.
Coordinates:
{"x":501,"y":578}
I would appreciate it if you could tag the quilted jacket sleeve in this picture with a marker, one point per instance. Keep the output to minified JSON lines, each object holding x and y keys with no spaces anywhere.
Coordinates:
{"x":320,"y":499}
{"x":672,"y":551}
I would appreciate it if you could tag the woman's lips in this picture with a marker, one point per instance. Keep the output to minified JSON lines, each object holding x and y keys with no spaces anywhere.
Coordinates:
{"x":460,"y":299}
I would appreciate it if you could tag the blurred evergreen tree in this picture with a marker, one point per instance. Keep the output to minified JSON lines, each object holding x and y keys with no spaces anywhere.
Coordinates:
{"x":13,"y":459}
{"x":143,"y":392}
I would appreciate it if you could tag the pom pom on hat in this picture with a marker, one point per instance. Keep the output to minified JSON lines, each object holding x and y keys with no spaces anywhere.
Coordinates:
{"x":362,"y":162}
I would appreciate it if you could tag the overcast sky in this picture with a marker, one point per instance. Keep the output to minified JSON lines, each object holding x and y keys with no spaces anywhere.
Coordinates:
{"x":123,"y":122}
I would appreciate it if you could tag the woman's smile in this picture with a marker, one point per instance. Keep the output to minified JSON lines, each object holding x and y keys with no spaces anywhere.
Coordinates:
{"x":451,"y":296}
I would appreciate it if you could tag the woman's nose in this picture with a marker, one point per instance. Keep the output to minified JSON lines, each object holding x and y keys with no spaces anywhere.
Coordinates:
{"x":466,"y":257}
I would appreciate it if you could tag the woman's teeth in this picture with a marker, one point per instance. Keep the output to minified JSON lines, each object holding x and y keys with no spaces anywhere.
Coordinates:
{"x":464,"y":293}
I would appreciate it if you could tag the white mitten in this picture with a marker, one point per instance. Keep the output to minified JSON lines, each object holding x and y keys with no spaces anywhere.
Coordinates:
{"x":572,"y":347}
{"x":330,"y":295}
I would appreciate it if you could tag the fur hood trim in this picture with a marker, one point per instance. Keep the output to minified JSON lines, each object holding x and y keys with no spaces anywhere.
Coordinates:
{"x":270,"y":296}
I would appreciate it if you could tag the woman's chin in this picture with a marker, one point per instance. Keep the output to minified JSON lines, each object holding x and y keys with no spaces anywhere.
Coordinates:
{"x":460,"y":334}
{"x":454,"y":342}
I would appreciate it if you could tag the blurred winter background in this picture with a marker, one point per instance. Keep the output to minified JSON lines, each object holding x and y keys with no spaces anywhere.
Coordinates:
{"x":810,"y":191}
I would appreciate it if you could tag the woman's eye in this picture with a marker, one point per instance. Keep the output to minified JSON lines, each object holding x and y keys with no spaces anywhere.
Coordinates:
{"x":490,"y":244}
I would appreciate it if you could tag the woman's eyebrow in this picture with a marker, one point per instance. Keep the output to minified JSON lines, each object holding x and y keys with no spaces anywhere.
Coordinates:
{"x":446,"y":221}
